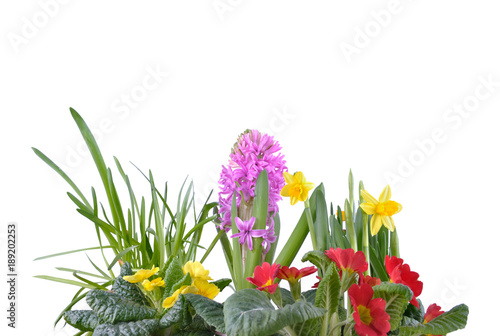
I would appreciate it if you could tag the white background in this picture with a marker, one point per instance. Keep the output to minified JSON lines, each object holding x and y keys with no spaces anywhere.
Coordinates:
{"x":276,"y":66}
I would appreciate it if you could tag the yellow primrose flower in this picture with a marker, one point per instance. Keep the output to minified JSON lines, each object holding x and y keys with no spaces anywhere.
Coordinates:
{"x":170,"y":301}
{"x":297,"y":188}
{"x":141,"y":275}
{"x":196,"y":270}
{"x":206,"y":289}
{"x":150,"y":285}
{"x":382,"y":210}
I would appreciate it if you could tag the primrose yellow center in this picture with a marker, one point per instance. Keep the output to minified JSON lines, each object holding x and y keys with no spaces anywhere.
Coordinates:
{"x":388,"y":208}
{"x":364,"y":315}
{"x":268,"y":283}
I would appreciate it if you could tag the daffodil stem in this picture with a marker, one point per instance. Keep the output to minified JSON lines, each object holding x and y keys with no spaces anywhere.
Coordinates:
{"x":366,"y":241}
{"x":310,"y":223}
{"x":394,"y":244}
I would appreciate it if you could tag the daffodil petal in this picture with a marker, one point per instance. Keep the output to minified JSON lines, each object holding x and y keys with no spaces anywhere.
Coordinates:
{"x":289,"y":179}
{"x":293,"y":200}
{"x":368,"y":208}
{"x":385,"y":195}
{"x":308,"y":185}
{"x":386,"y":220}
{"x":299,"y":177}
{"x":285,"y":191}
{"x":369,"y":198}
{"x":375,"y":224}
{"x":400,"y":207}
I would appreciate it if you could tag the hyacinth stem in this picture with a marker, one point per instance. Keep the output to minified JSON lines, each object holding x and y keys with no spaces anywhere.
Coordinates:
{"x":260,"y":212}
{"x":238,"y":261}
{"x":310,"y":224}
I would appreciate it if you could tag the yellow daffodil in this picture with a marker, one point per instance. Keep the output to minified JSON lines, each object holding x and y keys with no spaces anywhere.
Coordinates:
{"x":151,"y":285}
{"x":382,"y":210}
{"x":170,"y":301}
{"x":206,"y":289}
{"x":297,"y":188}
{"x":141,"y":275}
{"x":196,"y":270}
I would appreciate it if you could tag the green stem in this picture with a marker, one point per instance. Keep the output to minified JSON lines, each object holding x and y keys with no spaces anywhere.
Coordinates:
{"x":310,"y":224}
{"x":366,"y":241}
{"x":394,"y":243}
{"x":349,"y":220}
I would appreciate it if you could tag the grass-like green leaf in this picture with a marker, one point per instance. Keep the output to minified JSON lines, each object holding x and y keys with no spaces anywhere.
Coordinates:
{"x":69,"y":252}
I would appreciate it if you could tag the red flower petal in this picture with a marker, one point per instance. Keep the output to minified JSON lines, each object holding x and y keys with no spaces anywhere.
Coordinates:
{"x":348,"y":260}
{"x":401,"y":273}
{"x":432,"y":312}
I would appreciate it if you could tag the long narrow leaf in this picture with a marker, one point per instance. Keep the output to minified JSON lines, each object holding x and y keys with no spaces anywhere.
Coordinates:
{"x":69,"y":252}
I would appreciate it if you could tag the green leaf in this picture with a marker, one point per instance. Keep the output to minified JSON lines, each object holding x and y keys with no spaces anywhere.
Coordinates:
{"x":210,"y":310}
{"x":396,"y":297}
{"x":222,"y":283}
{"x":194,"y":333}
{"x":136,"y":328}
{"x":120,"y":255}
{"x":111,"y":307}
{"x":178,"y":313}
{"x":69,"y":252}
{"x":85,"y":320}
{"x":66,"y":281}
{"x":310,"y":295}
{"x":318,"y":259}
{"x":173,"y":274}
{"x":184,"y":281}
{"x":321,"y":222}
{"x":248,"y":312}
{"x":450,"y":321}
{"x":126,"y":289}
{"x":328,"y":293}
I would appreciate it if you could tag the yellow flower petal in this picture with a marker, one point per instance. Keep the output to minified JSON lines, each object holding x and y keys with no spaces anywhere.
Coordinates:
{"x":368,"y":208}
{"x":385,"y":195}
{"x":289,"y":179}
{"x":386,"y":220}
{"x":170,"y":301}
{"x":285,"y":191}
{"x":141,"y":275}
{"x":299,"y":177}
{"x":375,"y":224}
{"x":196,"y":270}
{"x":308,"y":185}
{"x":369,"y":198}
{"x":206,"y":289}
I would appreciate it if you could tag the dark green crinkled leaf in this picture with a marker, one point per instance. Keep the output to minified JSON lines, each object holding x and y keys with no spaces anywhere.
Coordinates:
{"x":310,"y":295}
{"x":126,"y":289}
{"x":135,"y":328}
{"x":396,"y":298}
{"x":248,"y":312}
{"x":194,"y":333}
{"x":178,"y":313}
{"x":414,"y":312}
{"x":222,"y":283}
{"x":286,"y":297}
{"x":318,"y":259}
{"x":328,"y":293}
{"x":173,"y":274}
{"x":450,"y":321}
{"x":210,"y":310}
{"x":184,"y":281}
{"x":111,"y":307}
{"x":85,"y":320}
